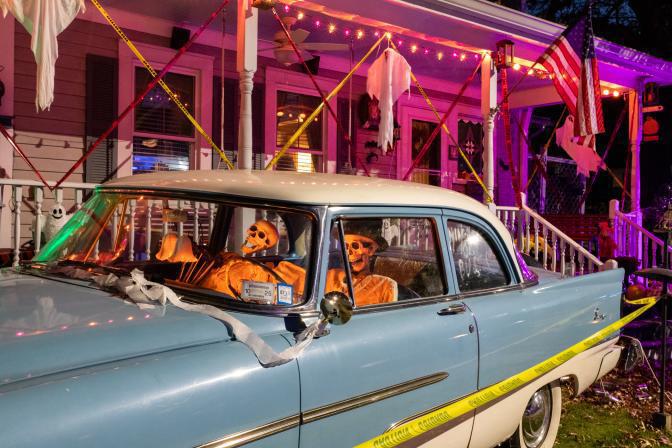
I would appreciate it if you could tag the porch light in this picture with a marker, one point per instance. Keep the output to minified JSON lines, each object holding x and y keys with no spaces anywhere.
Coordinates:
{"x":605,"y":92}
{"x":504,"y":55}
{"x":516,"y":66}
{"x":616,"y":93}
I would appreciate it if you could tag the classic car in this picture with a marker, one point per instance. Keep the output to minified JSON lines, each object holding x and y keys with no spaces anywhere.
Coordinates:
{"x":415,"y":297}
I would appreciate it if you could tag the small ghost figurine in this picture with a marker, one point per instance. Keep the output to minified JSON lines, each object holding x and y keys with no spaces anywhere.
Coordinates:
{"x":55,"y":220}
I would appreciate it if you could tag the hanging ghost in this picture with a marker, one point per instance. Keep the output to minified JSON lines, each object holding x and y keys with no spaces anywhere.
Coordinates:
{"x":44,"y":20}
{"x":56,"y":219}
{"x":388,"y":77}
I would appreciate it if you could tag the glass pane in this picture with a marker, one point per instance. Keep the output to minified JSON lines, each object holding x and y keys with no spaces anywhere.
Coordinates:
{"x":428,"y":170}
{"x":302,"y":162}
{"x":157,"y":113}
{"x":476,"y":261}
{"x":226,"y":251}
{"x":155,"y":154}
{"x":292,"y":110}
{"x":390,"y":258}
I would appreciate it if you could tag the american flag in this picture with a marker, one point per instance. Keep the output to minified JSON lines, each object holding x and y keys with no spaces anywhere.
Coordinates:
{"x":573,"y":66}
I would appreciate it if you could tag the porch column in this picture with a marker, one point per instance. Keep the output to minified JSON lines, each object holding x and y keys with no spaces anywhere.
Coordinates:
{"x":635,"y":140}
{"x":6,"y":110}
{"x":246,"y":64}
{"x":488,"y":105}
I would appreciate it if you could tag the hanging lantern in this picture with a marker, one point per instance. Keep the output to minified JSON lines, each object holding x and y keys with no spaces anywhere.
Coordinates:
{"x":263,"y":4}
{"x":504,"y":54}
{"x":650,"y":94}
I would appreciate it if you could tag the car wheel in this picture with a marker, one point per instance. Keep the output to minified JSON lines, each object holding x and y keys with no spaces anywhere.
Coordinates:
{"x":541,"y":419}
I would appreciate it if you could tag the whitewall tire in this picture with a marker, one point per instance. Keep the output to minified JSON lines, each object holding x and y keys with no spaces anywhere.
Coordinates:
{"x":540,"y":422}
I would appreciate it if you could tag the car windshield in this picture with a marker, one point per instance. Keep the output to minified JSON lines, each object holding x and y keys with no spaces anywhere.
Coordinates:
{"x":227,"y":250}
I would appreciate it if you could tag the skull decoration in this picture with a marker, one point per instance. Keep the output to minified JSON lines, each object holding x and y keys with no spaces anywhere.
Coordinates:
{"x":260,"y":236}
{"x":360,"y":250}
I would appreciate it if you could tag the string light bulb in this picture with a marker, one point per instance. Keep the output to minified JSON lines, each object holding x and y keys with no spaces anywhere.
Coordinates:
{"x":463,"y":57}
{"x":616,"y":93}
{"x":347,"y":33}
{"x":286,"y":8}
{"x":376,"y":33}
{"x":605,"y":92}
{"x":332,"y":28}
{"x":439,"y":55}
{"x":300,"y":15}
{"x":516,"y":66}
{"x":414,"y":48}
{"x":317,"y":24}
{"x":360,"y":34}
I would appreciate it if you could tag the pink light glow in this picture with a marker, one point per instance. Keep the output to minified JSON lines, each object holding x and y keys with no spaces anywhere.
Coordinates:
{"x":286,"y":8}
{"x":426,"y":51}
{"x":454,"y":54}
{"x":399,"y":42}
{"x":376,"y":33}
{"x":317,"y":23}
{"x":347,"y":32}
{"x":19,"y":333}
{"x":64,"y":327}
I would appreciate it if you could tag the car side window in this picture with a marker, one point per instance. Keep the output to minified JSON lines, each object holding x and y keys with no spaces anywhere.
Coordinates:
{"x":476,"y":262}
{"x":391,"y":259}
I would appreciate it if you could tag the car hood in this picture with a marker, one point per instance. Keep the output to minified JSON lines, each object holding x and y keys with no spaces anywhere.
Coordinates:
{"x":49,"y":325}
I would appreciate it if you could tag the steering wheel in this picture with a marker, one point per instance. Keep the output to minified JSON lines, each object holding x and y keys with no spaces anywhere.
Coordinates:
{"x":264,"y":267}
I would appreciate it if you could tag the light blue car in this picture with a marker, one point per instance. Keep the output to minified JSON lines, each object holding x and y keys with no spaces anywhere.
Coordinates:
{"x":274,"y":309}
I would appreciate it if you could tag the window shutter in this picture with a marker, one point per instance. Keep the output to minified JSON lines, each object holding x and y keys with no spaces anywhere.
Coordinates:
{"x":101,"y":110}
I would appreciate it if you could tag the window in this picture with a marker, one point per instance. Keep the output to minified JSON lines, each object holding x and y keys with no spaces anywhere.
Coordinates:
{"x":305,"y":154}
{"x":476,"y":262}
{"x":391,"y":259}
{"x":192,"y":245}
{"x":163,"y":138}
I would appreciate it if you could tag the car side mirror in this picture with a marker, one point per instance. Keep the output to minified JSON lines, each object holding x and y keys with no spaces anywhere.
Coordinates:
{"x":336,"y":308}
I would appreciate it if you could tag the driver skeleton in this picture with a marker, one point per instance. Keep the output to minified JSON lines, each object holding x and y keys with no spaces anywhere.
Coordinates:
{"x":232,"y":269}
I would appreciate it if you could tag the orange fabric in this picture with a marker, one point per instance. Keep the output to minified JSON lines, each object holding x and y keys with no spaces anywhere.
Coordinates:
{"x":232,"y":272}
{"x":370,"y":289}
{"x":292,"y":275}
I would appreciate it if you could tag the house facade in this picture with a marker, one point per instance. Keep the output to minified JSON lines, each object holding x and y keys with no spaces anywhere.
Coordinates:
{"x":243,"y":86}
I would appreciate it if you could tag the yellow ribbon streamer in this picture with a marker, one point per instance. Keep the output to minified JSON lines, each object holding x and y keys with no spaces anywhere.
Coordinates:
{"x":319,"y":108}
{"x":443,"y":415}
{"x":165,"y":87}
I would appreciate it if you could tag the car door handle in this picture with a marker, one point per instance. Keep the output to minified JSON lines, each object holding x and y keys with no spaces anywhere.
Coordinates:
{"x":454,"y":308}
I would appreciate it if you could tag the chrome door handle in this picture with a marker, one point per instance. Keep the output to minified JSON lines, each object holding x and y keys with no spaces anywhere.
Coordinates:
{"x":453,"y":308}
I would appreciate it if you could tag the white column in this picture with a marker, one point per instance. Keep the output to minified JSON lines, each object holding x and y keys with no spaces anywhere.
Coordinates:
{"x":7,"y":110}
{"x":635,"y":140}
{"x":488,"y":104}
{"x":246,"y":64}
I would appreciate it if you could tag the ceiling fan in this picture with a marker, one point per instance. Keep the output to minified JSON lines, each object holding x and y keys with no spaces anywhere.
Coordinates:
{"x":285,"y":54}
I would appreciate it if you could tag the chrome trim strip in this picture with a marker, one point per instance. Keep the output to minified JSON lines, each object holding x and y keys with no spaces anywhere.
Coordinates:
{"x":371,"y":397}
{"x":423,"y":413}
{"x":250,"y":435}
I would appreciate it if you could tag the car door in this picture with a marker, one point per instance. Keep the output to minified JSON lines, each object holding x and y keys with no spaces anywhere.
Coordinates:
{"x":400,"y":355}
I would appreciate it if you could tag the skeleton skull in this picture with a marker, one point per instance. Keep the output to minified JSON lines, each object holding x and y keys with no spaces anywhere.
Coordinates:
{"x":260,"y":236}
{"x":360,"y":249}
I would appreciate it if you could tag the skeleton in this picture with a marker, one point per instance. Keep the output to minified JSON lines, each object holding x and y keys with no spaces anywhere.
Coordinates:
{"x":229,"y":273}
{"x":369,"y":289}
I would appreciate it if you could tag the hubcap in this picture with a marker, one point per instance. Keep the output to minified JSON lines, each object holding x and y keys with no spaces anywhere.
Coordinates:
{"x":537,"y":418}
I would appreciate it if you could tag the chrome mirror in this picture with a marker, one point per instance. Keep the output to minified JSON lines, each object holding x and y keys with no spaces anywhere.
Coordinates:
{"x":336,"y":308}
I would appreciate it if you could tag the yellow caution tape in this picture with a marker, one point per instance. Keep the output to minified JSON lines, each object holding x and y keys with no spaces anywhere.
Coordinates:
{"x":165,"y":87}
{"x":420,"y":425}
{"x":319,"y":108}
{"x":644,"y":301}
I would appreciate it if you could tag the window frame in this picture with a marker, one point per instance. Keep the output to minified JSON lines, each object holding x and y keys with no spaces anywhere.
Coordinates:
{"x":294,"y":82}
{"x":192,"y":64}
{"x":501,"y":252}
{"x":445,"y":264}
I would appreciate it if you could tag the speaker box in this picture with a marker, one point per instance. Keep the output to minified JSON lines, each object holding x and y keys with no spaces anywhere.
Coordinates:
{"x":179,"y":37}
{"x":313,"y":65}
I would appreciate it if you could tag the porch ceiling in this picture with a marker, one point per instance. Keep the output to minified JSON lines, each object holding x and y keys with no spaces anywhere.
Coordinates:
{"x":438,"y":25}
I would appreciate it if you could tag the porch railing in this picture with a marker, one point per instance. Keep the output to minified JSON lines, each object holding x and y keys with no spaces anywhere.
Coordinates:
{"x":633,"y":240}
{"x":538,"y":238}
{"x":23,"y":204}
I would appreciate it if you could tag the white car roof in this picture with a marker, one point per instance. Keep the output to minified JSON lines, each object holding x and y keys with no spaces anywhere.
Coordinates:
{"x":313,"y":189}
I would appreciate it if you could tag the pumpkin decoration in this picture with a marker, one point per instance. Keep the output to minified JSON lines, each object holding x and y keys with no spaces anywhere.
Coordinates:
{"x":635,"y":291}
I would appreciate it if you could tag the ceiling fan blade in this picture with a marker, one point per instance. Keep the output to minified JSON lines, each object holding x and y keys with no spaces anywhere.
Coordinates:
{"x":323,"y":46}
{"x":299,"y":35}
{"x":287,"y":56}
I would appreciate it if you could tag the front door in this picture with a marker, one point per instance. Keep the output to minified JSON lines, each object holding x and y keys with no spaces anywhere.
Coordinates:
{"x":405,"y":351}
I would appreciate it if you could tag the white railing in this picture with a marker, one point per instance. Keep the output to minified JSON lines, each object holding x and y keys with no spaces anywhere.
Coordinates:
{"x":540,"y":239}
{"x":23,"y":204}
{"x":633,"y":240}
